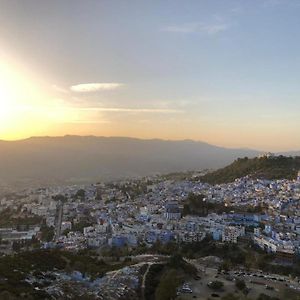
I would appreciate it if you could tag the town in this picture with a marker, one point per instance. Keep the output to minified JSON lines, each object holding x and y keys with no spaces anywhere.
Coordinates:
{"x":129,"y":217}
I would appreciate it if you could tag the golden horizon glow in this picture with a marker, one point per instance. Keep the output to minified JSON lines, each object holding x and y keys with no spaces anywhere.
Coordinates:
{"x":17,"y":91}
{"x":8,"y":96}
{"x":196,"y":76}
{"x":28,"y":108}
{"x":25,"y":108}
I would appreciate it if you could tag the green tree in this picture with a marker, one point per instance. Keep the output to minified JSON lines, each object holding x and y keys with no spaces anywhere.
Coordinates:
{"x":167,"y":287}
{"x":80,"y":194}
{"x":240,"y":284}
{"x":47,"y":233}
{"x":216,"y":285}
{"x":230,"y":296}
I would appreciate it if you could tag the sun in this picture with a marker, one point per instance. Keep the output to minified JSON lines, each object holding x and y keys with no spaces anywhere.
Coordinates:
{"x":15,"y":95}
{"x":28,"y":107}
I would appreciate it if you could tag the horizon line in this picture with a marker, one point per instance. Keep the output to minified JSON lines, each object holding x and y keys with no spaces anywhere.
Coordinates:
{"x":146,"y":139}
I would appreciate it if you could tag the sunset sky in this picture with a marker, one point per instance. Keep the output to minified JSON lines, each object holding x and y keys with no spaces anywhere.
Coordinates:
{"x":224,"y":72}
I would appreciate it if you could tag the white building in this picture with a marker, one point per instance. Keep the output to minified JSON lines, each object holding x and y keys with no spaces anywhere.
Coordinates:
{"x":257,"y":231}
{"x":172,"y":211}
{"x":266,"y":243}
{"x":231,"y":233}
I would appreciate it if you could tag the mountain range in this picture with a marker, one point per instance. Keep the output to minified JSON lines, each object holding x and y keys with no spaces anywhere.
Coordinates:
{"x":90,"y":158}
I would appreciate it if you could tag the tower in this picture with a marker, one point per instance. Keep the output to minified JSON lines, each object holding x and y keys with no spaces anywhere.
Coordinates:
{"x":58,"y":218}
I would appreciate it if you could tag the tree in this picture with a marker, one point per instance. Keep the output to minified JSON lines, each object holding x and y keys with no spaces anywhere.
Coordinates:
{"x":230,"y":296}
{"x":47,"y":233}
{"x":59,"y":197}
{"x":266,"y":297}
{"x":225,"y":266}
{"x":240,"y":284}
{"x":216,"y":285}
{"x":167,"y":287}
{"x":16,"y":246}
{"x":80,"y":194}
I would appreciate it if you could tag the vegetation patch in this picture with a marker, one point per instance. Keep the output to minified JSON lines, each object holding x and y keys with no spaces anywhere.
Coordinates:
{"x":277,"y":167}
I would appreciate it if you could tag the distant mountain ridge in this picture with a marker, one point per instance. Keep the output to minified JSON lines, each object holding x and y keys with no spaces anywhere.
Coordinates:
{"x":90,"y":158}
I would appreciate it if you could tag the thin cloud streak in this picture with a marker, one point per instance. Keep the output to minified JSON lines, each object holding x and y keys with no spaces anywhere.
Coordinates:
{"x":95,"y":87}
{"x":59,"y":89}
{"x":137,"y":110}
{"x":100,"y":109}
{"x":195,"y":27}
{"x":87,"y":122}
{"x":184,"y":28}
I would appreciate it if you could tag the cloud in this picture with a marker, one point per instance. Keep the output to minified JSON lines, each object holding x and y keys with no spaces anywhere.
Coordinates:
{"x":195,"y":27}
{"x":236,"y":10}
{"x":88,"y":121}
{"x":183,"y":28}
{"x":131,"y":110}
{"x":59,"y":89}
{"x":95,"y":87}
{"x":213,"y":29}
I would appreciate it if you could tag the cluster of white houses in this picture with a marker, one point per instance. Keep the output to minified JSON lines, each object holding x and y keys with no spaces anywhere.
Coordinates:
{"x":117,"y":219}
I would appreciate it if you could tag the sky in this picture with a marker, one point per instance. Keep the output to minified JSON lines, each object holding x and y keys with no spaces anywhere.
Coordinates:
{"x":223,"y":72}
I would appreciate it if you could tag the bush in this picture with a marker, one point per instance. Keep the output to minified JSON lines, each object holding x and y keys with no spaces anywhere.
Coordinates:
{"x":216,"y":285}
{"x":266,"y":297}
{"x":168,"y":285}
{"x":240,"y":284}
{"x":230,"y":296}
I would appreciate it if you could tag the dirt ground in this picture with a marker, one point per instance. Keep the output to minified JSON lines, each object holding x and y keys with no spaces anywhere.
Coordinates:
{"x":255,"y":284}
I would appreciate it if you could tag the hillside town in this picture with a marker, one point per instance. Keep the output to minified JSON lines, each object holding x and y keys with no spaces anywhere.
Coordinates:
{"x":110,"y":240}
{"x":153,"y":209}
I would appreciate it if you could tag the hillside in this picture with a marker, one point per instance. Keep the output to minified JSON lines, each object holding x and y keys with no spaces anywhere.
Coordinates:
{"x":89,"y":158}
{"x":277,"y":167}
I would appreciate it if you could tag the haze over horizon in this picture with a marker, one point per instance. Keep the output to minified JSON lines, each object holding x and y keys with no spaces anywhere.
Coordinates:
{"x":288,"y":152}
{"x":225,"y":73}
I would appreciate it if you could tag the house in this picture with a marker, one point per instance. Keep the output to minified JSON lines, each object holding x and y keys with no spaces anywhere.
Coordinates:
{"x":172,"y":211}
{"x":231,"y":233}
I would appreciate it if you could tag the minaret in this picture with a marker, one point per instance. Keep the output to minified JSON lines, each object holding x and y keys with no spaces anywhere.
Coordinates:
{"x":58,"y":218}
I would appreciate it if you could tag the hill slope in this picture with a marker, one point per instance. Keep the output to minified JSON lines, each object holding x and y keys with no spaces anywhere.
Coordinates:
{"x":277,"y":167}
{"x":75,"y":158}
